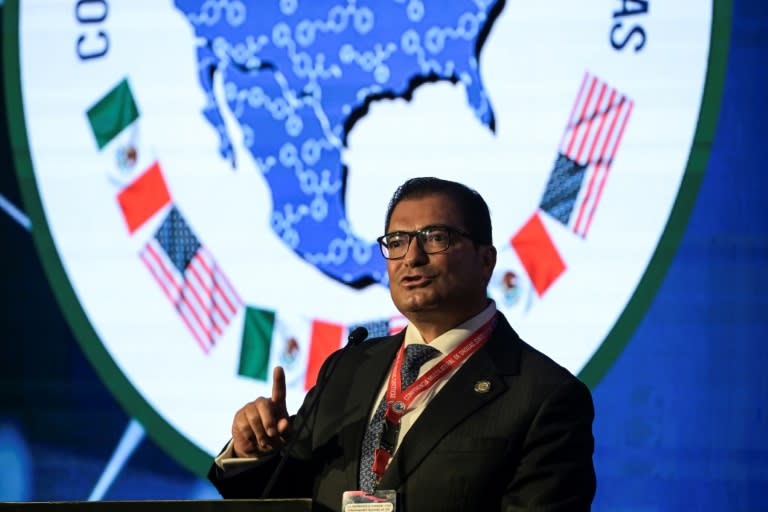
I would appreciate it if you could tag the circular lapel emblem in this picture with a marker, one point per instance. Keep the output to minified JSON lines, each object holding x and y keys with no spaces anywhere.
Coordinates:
{"x":482,"y":386}
{"x":206,"y":191}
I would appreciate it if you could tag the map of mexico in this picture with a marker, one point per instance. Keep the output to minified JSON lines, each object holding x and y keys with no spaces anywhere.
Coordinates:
{"x":297,"y":76}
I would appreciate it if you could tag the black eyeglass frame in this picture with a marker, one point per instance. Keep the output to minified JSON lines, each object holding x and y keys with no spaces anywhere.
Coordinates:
{"x":420,"y":235}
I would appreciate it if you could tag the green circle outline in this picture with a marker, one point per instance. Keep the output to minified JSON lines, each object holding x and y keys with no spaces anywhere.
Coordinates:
{"x":650,"y":282}
{"x":198,"y":460}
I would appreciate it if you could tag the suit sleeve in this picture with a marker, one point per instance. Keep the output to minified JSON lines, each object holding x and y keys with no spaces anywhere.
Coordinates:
{"x":556,"y":472}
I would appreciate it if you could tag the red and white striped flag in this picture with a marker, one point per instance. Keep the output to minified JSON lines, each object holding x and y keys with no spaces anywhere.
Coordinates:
{"x":191,"y":279}
{"x":587,"y":149}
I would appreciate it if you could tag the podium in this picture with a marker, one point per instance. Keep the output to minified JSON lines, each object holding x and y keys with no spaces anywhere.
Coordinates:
{"x":293,"y":505}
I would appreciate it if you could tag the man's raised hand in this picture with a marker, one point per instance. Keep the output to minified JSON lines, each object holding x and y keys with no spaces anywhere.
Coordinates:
{"x":262,"y":426}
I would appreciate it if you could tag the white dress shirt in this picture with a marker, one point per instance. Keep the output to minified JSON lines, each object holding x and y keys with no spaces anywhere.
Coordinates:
{"x":444,"y":343}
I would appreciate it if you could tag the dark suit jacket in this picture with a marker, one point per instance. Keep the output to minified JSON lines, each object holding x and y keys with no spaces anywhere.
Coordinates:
{"x":525,"y":444}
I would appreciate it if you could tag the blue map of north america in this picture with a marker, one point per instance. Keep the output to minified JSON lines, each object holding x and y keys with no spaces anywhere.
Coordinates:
{"x":297,"y":76}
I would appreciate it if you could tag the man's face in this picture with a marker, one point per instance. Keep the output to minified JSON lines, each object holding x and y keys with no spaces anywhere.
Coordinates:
{"x":450,"y":285}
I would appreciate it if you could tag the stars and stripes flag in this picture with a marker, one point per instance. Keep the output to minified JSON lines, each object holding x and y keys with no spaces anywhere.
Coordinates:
{"x":576,"y":183}
{"x":191,"y":279}
{"x":587,"y":149}
{"x":383,"y":326}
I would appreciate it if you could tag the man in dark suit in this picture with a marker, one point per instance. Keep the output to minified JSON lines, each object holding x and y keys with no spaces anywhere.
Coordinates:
{"x":489,"y":423}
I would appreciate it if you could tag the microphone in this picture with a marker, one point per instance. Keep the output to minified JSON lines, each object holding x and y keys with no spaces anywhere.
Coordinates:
{"x":356,"y":336}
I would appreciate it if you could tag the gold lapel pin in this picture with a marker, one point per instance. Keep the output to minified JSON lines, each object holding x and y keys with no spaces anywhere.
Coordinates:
{"x":482,"y":386}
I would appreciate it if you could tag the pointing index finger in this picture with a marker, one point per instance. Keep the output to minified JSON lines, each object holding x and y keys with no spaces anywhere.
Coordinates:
{"x":278,"y":386}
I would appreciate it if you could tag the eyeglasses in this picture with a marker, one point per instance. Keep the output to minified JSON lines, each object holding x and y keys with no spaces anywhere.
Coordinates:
{"x":431,"y":240}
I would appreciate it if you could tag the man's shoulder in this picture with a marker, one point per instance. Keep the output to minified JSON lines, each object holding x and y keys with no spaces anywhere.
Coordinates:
{"x":537,"y":363}
{"x":536,"y":368}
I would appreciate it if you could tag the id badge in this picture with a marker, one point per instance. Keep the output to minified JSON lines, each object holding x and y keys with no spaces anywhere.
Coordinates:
{"x":359,"y":501}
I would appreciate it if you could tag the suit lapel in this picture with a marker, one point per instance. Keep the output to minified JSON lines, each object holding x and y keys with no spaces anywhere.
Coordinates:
{"x":368,"y":374}
{"x":456,"y":401}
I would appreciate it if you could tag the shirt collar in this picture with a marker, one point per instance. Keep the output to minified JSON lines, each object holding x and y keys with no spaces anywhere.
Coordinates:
{"x":453,"y":337}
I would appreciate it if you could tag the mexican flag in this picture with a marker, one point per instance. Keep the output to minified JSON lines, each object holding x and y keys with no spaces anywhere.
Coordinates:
{"x":129,"y":164}
{"x":297,"y":343}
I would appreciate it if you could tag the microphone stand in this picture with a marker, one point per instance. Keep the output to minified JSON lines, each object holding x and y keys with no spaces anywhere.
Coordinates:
{"x":357,"y":336}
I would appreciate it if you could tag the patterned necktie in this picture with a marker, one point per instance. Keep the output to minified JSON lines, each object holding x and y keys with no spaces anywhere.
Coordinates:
{"x":415,"y":356}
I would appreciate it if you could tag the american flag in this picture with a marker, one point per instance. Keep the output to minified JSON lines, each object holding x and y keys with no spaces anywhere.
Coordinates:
{"x":191,"y":279}
{"x":382,"y":327}
{"x":587,"y":149}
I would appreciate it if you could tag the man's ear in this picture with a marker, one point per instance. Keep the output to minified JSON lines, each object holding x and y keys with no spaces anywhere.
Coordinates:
{"x":488,"y":258}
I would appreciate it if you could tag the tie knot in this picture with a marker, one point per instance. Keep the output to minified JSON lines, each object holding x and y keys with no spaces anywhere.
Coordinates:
{"x":415,"y":356}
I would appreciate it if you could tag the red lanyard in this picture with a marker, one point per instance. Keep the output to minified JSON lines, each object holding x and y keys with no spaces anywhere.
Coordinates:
{"x":399,"y":401}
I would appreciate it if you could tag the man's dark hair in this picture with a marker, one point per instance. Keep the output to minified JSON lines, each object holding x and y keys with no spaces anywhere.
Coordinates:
{"x":474,"y":210}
